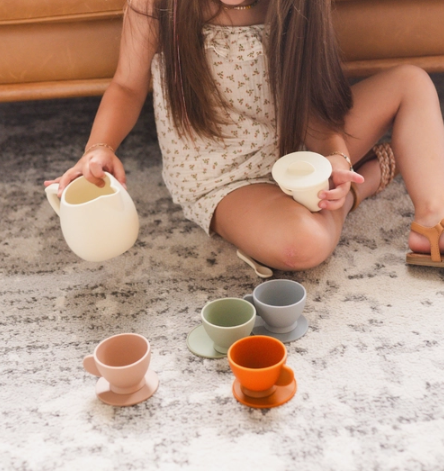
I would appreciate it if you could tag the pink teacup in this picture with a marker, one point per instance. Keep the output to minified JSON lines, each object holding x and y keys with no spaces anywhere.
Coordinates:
{"x":122,"y":362}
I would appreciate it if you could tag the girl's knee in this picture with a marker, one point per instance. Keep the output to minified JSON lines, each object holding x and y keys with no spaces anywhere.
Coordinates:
{"x":413,"y":79}
{"x":409,"y":72}
{"x":305,"y":246}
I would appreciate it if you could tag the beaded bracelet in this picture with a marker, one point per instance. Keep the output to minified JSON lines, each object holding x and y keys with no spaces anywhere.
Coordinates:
{"x":100,"y":144}
{"x":346,"y":157}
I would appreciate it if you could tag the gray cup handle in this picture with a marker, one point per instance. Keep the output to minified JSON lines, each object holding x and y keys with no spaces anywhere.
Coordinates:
{"x":249,"y":298}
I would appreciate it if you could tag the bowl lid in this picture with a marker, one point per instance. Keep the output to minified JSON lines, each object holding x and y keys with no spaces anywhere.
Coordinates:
{"x":301,"y":170}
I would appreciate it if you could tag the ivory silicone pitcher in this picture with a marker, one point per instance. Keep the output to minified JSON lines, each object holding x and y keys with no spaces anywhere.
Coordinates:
{"x":97,"y":223}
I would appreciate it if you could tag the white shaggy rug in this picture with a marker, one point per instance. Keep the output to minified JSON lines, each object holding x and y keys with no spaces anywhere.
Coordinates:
{"x":370,"y":369}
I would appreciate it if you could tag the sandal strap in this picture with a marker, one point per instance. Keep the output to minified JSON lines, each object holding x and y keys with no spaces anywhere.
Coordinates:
{"x":386,"y":159}
{"x":433,"y":234}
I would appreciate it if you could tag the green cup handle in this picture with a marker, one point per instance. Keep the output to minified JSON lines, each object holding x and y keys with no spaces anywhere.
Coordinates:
{"x":286,"y":376}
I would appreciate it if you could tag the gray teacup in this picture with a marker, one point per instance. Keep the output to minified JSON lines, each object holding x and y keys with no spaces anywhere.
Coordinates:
{"x":279,"y":303}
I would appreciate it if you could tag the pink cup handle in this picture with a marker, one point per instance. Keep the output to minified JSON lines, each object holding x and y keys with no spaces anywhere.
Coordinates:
{"x":90,"y":365}
{"x":286,"y":376}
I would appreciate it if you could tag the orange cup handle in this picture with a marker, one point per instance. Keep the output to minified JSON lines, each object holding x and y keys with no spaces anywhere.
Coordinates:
{"x":286,"y":376}
{"x":90,"y":365}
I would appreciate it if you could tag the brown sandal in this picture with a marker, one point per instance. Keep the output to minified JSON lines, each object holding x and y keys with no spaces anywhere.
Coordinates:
{"x":433,"y":234}
{"x":384,"y":154}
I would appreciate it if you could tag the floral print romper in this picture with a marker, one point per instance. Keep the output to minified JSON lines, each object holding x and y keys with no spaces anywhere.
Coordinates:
{"x":201,"y":172}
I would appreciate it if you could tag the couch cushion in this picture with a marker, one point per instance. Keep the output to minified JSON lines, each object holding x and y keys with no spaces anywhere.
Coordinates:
{"x":71,"y":42}
{"x":383,"y":29}
{"x":23,"y":11}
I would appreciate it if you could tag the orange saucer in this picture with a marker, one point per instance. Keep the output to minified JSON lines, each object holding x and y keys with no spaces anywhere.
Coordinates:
{"x":282,"y":395}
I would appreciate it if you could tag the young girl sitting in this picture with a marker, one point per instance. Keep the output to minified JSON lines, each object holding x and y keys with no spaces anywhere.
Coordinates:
{"x":238,"y":84}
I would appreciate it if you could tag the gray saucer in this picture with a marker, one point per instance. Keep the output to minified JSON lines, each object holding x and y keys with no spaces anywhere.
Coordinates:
{"x":297,"y":333}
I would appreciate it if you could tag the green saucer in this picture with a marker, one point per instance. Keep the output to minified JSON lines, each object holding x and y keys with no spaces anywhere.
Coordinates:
{"x":199,"y":343}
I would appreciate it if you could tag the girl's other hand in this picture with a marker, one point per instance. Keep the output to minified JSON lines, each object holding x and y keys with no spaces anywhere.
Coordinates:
{"x":92,"y":166}
{"x":340,"y":185}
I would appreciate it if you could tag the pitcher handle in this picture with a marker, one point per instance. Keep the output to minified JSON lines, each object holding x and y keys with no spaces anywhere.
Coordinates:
{"x":51,"y":194}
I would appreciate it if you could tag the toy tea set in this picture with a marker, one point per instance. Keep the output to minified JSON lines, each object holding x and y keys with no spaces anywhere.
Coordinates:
{"x":273,"y":314}
{"x":102,"y":223}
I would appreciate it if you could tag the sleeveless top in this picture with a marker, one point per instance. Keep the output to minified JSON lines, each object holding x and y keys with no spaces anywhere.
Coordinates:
{"x":200,"y":172}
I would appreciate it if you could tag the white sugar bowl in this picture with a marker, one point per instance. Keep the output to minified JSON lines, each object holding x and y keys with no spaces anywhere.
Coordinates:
{"x":303,"y":175}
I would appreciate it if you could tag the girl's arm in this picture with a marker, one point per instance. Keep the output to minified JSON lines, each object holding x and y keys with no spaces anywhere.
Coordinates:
{"x":122,"y":102}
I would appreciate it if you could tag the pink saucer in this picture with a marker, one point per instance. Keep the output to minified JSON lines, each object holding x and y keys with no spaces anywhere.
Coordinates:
{"x":107,"y":396}
{"x":282,"y":395}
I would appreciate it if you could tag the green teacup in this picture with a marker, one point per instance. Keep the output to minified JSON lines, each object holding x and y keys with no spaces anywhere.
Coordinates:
{"x":227,"y":320}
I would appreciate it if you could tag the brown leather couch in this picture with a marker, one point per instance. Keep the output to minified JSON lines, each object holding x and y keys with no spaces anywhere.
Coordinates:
{"x":68,"y":48}
{"x":377,"y":34}
{"x":57,"y":48}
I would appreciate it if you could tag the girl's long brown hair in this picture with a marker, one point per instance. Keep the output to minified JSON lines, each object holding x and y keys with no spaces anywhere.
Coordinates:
{"x":305,"y":72}
{"x":306,"y":78}
{"x":188,"y":84}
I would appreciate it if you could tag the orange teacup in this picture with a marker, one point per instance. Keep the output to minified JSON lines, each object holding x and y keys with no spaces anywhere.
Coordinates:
{"x":258,"y":363}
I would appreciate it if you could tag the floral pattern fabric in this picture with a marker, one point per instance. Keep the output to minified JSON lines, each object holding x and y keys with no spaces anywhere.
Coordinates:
{"x":200,"y":172}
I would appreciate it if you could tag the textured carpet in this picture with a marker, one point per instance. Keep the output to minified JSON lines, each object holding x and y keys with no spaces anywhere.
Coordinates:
{"x":370,"y":370}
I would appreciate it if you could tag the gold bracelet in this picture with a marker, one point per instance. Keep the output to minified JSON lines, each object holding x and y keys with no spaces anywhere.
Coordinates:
{"x":346,"y":157}
{"x":100,"y":144}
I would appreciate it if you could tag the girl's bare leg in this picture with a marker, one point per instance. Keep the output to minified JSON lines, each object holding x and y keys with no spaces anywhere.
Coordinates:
{"x":406,"y":98}
{"x":272,"y":228}
{"x":277,"y":231}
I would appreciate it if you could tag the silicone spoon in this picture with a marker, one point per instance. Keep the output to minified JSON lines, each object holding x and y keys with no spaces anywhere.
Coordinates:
{"x":260,"y":270}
